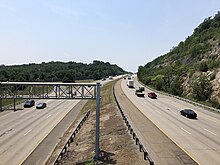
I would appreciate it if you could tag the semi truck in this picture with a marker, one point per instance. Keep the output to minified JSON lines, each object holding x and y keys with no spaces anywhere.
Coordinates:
{"x":130,"y":83}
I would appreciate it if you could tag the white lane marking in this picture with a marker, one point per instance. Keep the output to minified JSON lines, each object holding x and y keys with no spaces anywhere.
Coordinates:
{"x":38,"y":162}
{"x":186,"y":131}
{"x":48,"y":116}
{"x":158,"y":112}
{"x":210,"y":132}
{"x":27,"y":132}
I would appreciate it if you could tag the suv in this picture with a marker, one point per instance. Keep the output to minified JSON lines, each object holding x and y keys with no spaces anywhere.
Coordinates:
{"x":29,"y":103}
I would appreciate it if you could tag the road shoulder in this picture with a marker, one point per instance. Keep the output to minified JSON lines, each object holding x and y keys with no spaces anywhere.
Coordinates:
{"x":161,"y":148}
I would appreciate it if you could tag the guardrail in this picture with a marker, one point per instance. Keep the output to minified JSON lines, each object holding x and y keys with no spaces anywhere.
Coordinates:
{"x":70,"y":140}
{"x":134,"y":135}
{"x":11,"y":106}
{"x":184,"y":99}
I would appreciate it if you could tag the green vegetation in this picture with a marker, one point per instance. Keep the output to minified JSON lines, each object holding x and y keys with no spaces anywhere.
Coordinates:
{"x":59,"y":71}
{"x":197,"y":55}
{"x":9,"y":101}
{"x":106,"y":97}
{"x":201,"y":88}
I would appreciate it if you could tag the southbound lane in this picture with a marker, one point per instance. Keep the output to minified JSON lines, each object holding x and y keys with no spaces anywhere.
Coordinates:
{"x":199,"y":138}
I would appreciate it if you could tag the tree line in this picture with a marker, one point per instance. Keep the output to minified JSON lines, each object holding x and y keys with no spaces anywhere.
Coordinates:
{"x":59,"y":71}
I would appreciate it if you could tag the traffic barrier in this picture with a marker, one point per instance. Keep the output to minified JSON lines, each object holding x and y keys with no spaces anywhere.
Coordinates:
{"x":11,"y":106}
{"x":70,"y":140}
{"x":183,"y":99}
{"x":131,"y":131}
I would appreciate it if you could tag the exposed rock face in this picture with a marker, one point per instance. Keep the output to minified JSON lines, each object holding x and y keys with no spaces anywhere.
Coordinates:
{"x":184,"y":70}
{"x":215,"y":83}
{"x":216,"y":87}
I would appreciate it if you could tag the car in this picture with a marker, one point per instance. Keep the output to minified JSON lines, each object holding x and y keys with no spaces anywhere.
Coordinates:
{"x":139,"y":93}
{"x":152,"y":95}
{"x":41,"y":105}
{"x":29,"y":103}
{"x":110,"y":77}
{"x":189,"y":113}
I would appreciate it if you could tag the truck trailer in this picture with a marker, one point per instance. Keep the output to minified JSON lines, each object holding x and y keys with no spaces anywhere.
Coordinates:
{"x":130,"y":83}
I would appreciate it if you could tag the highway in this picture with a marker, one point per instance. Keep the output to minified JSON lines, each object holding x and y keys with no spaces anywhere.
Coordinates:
{"x":22,"y":131}
{"x":200,"y":137}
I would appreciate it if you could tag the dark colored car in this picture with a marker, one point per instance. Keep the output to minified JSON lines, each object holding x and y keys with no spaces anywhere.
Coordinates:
{"x":29,"y":103}
{"x":41,"y":105}
{"x":152,"y":95}
{"x":188,"y":113}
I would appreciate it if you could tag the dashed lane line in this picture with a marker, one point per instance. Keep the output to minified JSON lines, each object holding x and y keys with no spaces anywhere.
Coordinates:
{"x":185,"y":130}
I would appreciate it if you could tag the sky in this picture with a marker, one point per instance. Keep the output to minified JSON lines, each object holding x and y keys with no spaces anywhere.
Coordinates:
{"x":128,"y":33}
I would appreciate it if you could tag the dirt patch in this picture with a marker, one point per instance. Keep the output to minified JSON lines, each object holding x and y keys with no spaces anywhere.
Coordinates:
{"x":116,"y":144}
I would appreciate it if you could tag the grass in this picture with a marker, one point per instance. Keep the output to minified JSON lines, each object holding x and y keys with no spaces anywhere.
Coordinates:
{"x":107,"y":98}
{"x":84,"y":81}
{"x":9,"y":101}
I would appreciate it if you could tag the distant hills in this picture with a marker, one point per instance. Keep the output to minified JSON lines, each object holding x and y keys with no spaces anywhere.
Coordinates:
{"x":59,"y":71}
{"x":191,"y":69}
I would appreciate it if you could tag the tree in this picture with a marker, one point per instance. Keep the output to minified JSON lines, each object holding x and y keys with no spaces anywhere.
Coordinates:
{"x":176,"y":86}
{"x":201,"y":88}
{"x":203,"y":67}
{"x":158,"y":82}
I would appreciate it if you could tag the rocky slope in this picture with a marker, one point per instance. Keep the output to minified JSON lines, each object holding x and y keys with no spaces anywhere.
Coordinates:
{"x":191,"y":69}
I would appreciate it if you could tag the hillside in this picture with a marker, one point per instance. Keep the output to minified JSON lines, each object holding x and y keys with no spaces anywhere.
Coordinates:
{"x":191,"y":69}
{"x":59,"y":71}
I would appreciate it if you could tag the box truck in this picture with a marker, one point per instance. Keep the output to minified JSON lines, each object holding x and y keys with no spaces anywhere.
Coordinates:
{"x":130,"y":83}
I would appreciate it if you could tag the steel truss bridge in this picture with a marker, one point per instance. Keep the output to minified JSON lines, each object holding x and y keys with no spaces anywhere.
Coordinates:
{"x":47,"y":90}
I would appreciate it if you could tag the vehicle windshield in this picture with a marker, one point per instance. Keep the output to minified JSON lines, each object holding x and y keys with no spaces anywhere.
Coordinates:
{"x":189,"y":111}
{"x":27,"y":102}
